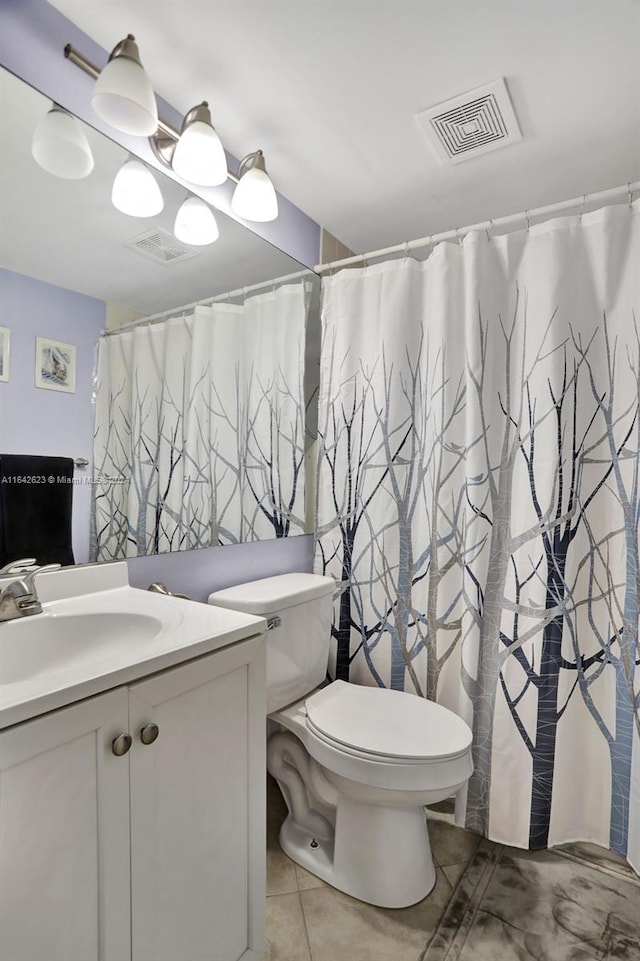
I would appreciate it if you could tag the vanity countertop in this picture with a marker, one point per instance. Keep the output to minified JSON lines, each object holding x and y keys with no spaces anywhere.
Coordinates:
{"x":96,"y":633}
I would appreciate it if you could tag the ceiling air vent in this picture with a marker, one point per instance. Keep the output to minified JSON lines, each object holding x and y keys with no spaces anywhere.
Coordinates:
{"x":161,"y":246}
{"x":471,"y":124}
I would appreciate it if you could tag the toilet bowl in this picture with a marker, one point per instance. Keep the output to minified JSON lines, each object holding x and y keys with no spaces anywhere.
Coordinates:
{"x":356,"y":765}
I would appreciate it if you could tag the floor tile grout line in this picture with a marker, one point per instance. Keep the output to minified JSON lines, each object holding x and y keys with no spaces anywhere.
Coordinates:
{"x":304,"y":921}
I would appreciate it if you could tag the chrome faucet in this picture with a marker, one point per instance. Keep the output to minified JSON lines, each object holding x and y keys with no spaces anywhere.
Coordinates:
{"x":18,"y":567}
{"x":19,"y":598}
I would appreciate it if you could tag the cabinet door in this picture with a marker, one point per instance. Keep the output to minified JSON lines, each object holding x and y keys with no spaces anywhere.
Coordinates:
{"x":64,"y":835}
{"x":197,"y":809}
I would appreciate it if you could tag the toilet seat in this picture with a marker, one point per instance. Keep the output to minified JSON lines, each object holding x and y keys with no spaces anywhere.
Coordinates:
{"x":388,"y":726}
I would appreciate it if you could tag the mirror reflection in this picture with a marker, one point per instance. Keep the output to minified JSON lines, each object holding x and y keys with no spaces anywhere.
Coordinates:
{"x":169,"y":374}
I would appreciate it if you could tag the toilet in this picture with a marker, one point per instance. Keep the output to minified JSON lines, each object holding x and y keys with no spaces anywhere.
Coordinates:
{"x":356,"y":765}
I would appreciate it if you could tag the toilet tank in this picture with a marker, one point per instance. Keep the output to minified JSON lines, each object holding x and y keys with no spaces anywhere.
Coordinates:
{"x":299,"y":607}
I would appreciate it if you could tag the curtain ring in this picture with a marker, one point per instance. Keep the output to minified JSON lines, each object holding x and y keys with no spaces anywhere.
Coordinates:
{"x":526,"y":217}
{"x":630,"y":193}
{"x":458,"y":237}
{"x":489,"y":229}
{"x":406,"y":248}
{"x":584,"y":203}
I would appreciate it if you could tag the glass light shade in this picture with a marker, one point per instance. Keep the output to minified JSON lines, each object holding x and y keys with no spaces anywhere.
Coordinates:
{"x":254,"y":197}
{"x":60,"y":146}
{"x":199,"y":156}
{"x":124,"y":98}
{"x":195,"y":223}
{"x":136,"y":191}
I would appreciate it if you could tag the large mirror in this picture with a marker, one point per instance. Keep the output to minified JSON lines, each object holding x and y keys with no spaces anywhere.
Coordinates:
{"x":172,"y":375}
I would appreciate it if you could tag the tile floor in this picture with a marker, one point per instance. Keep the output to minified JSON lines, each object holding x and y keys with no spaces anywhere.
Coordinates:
{"x":490,"y":903}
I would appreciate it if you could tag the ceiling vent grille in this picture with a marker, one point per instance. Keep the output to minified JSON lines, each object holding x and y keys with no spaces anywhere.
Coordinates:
{"x":161,"y":246}
{"x":472,"y":124}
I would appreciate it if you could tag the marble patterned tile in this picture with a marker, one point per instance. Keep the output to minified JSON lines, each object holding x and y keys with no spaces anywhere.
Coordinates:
{"x":445,"y":942}
{"x":547,"y":892}
{"x":598,"y":857}
{"x":341,"y":928}
{"x":513,"y":905}
{"x":450,"y":844}
{"x":286,"y":931}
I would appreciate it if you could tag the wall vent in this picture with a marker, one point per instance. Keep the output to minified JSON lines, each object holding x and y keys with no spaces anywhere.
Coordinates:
{"x":161,"y":246}
{"x":474,"y":123}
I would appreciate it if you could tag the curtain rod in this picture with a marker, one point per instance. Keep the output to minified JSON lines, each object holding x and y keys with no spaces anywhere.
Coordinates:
{"x":165,"y":314}
{"x":525,"y":215}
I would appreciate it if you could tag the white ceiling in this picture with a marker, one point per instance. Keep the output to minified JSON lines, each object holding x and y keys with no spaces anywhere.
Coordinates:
{"x":330,"y":88}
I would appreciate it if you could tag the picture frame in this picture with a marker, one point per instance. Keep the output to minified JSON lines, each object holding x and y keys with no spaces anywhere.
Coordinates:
{"x":55,"y":365}
{"x":5,"y":346}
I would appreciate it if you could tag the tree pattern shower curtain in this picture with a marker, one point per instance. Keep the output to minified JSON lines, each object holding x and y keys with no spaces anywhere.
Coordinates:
{"x":478,"y":505}
{"x":200,"y":425}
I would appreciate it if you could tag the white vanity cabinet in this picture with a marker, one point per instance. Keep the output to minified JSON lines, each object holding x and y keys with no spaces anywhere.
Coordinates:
{"x":155,"y":854}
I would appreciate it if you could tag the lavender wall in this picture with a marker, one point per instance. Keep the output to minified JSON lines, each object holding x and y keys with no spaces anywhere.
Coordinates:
{"x":37,"y":421}
{"x":198,"y":573}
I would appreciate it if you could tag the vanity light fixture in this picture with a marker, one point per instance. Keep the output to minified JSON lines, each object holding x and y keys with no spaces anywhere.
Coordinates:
{"x":254,"y":197}
{"x":135,"y":190}
{"x":60,"y":146}
{"x":124,"y":98}
{"x":199,"y":155}
{"x":195,"y":223}
{"x":123,"y":95}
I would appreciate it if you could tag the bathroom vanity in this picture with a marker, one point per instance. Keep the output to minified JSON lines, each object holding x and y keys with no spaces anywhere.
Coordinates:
{"x":131,"y":776}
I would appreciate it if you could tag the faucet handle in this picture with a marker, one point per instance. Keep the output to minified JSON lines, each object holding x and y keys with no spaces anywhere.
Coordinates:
{"x":28,"y":577}
{"x":18,"y":567}
{"x":158,"y":588}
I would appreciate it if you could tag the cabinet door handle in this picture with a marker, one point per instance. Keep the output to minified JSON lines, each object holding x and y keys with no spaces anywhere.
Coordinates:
{"x":121,"y":744}
{"x":149,"y":733}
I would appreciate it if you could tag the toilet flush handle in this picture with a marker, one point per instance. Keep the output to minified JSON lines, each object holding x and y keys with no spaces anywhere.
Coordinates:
{"x":273,"y":622}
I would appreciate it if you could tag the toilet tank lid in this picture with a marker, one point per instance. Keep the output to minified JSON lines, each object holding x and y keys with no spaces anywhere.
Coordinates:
{"x":273,"y":594}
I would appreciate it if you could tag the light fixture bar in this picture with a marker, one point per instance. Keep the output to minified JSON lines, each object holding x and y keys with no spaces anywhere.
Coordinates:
{"x":166,"y":137}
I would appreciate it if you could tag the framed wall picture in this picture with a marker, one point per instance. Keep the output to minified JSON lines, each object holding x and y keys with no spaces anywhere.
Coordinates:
{"x":55,"y":365}
{"x":5,"y":341}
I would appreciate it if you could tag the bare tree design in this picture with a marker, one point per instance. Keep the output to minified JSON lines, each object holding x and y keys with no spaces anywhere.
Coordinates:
{"x":488,"y":594}
{"x":618,"y":446}
{"x":184,"y":463}
{"x":461,"y":513}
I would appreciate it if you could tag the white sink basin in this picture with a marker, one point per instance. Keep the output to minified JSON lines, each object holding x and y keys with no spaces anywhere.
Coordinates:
{"x":51,"y":643}
{"x":96,"y":632}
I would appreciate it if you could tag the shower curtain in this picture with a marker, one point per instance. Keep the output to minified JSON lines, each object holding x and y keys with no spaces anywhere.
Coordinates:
{"x":200,"y":422}
{"x":478,"y":505}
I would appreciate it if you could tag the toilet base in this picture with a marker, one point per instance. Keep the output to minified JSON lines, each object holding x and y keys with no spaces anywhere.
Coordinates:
{"x":379,"y":855}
